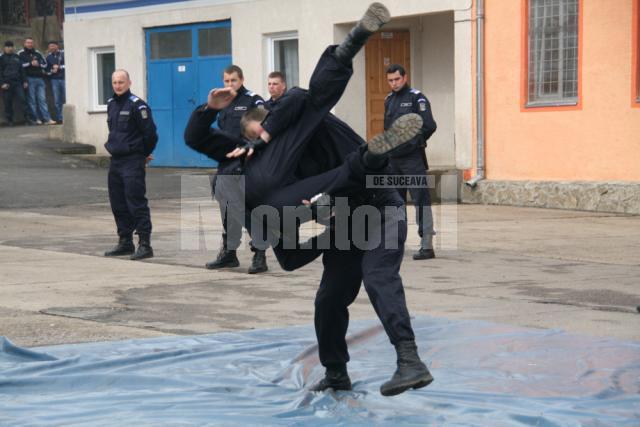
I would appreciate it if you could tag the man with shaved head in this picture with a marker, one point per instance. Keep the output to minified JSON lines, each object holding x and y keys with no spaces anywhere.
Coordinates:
{"x":132,"y":139}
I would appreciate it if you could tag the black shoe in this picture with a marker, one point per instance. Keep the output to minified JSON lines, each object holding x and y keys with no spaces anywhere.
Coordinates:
{"x":335,"y":379}
{"x":144,"y":249}
{"x":124,"y":247}
{"x":225,"y":259}
{"x":411,"y":372}
{"x":403,"y":130}
{"x":424,"y":254}
{"x":258,"y":263}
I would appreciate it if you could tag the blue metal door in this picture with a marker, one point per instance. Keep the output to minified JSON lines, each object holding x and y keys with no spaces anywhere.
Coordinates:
{"x":183,"y":64}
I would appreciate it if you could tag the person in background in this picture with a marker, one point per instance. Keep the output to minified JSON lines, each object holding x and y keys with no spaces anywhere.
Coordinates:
{"x":132,"y":139}
{"x":55,"y":71}
{"x":13,"y":82}
{"x":34,"y":65}
{"x":277,"y":85}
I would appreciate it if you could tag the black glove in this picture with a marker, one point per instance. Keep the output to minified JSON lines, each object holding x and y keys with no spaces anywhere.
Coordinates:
{"x":255,"y":144}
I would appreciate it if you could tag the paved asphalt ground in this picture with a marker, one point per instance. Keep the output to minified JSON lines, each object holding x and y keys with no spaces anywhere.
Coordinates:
{"x":576,"y":271}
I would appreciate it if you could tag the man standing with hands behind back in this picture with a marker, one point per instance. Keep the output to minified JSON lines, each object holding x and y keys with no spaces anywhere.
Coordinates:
{"x":412,"y":159}
{"x":132,"y":139}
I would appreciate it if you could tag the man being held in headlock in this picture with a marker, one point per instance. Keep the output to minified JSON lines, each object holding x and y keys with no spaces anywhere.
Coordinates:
{"x":299,"y":123}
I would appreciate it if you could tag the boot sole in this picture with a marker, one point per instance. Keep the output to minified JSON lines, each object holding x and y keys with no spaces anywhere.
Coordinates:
{"x":259,"y":270}
{"x":119,"y":253}
{"x":401,"y":131}
{"x":142,"y":257}
{"x":232,"y":265}
{"x":375,"y":17}
{"x":413,"y":384}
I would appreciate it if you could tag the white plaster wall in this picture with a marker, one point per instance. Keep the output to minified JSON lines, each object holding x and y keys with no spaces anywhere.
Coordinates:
{"x":317,"y":24}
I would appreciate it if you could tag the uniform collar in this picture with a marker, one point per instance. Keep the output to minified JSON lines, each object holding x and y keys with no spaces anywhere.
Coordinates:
{"x":406,"y":88}
{"x":125,"y":95}
{"x":242,"y":90}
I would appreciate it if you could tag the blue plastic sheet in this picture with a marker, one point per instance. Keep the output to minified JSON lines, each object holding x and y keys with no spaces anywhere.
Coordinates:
{"x":485,"y":374}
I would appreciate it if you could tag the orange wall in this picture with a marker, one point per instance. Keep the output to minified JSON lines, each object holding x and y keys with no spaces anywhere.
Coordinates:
{"x":599,"y":140}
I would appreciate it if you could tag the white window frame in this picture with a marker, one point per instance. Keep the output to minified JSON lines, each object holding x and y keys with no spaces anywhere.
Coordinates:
{"x":271,"y":41}
{"x":94,"y":106}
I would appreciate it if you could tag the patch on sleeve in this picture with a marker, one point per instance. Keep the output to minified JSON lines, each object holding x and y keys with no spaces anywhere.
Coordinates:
{"x":423,"y":104}
{"x":144,"y":113}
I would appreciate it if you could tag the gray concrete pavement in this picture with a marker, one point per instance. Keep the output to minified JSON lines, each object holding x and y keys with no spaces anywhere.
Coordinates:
{"x":538,"y":268}
{"x":569,"y":270}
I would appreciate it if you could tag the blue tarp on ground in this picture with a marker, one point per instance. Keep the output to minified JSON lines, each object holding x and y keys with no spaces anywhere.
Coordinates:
{"x":485,"y":374}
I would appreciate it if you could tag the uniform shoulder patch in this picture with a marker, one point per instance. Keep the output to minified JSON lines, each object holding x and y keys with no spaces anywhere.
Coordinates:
{"x":109,"y":100}
{"x":249,"y":93}
{"x":415,"y":91}
{"x":134,"y":98}
{"x":144,"y":113}
{"x":388,"y":95}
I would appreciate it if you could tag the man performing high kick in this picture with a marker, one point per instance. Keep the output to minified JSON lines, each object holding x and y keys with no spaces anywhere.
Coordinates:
{"x":273,"y":178}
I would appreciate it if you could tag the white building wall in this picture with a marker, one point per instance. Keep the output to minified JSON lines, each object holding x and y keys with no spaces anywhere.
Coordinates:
{"x":436,"y":41}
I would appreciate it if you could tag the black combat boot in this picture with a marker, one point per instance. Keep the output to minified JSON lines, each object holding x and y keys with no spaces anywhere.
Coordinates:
{"x":411,"y":372}
{"x":144,"y":248}
{"x":426,"y":248}
{"x":424,"y":253}
{"x":402,"y":131}
{"x":259,"y":262}
{"x":124,"y":247}
{"x":373,"y":19}
{"x":226,"y":259}
{"x":335,"y":378}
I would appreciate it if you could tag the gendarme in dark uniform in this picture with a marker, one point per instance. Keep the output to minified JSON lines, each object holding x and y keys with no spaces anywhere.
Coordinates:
{"x":227,"y":193}
{"x":132,"y":138}
{"x":412,"y":159}
{"x":229,"y":118}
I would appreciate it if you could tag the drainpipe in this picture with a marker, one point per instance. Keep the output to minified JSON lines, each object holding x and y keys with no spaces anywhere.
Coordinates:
{"x":479,"y":95}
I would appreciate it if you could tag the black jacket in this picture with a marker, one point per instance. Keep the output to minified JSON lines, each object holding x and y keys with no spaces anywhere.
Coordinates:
{"x":131,"y":127}
{"x":405,"y":101}
{"x":229,"y":118}
{"x":198,"y":136}
{"x":28,"y":55}
{"x":56,"y":59}
{"x":11,"y":70}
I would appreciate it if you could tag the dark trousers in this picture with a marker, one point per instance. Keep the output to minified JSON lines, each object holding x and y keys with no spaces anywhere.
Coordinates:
{"x":127,"y":190}
{"x":14,"y":92}
{"x":379,"y":269}
{"x":414,"y":165}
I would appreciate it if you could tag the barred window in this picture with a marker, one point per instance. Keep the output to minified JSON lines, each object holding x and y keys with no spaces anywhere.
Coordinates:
{"x":553,"y":52}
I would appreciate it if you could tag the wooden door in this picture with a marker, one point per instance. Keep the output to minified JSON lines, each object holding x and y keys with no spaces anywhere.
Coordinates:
{"x":382,"y":49}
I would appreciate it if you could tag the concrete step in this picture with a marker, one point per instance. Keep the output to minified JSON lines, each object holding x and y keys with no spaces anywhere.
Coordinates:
{"x":77,"y":148}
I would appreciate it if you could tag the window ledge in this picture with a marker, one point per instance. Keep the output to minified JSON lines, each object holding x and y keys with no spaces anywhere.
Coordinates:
{"x":97,"y":111}
{"x":551,"y":104}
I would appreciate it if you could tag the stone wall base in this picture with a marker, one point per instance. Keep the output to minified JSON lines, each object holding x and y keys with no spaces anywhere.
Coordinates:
{"x":614,"y":196}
